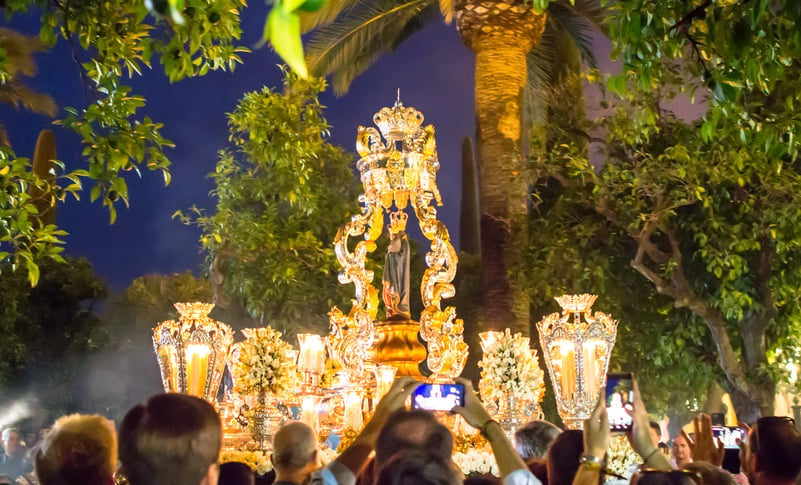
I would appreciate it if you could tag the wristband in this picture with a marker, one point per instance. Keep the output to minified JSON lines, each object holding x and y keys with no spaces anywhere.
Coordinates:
{"x":650,"y":455}
{"x":483,"y":428}
{"x":590,"y":461}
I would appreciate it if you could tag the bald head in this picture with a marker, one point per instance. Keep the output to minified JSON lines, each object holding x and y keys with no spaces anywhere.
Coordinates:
{"x":294,"y":447}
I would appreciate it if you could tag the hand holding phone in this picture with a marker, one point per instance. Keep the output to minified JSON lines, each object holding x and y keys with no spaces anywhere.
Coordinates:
{"x":438,"y":397}
{"x":619,"y":401}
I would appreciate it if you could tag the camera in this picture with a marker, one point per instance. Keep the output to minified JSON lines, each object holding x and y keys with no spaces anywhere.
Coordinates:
{"x":438,"y":397}
{"x":619,"y":401}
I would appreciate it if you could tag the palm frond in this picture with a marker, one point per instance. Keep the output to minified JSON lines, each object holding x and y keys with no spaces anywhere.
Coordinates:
{"x":347,"y":47}
{"x":446,"y":8}
{"x":16,"y":94}
{"x":539,"y":64}
{"x":19,"y":50}
{"x":327,"y":14}
{"x":584,"y":22}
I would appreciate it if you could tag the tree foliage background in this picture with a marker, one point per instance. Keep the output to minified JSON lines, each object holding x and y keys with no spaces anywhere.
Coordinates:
{"x":282,"y":193}
{"x":688,"y":229}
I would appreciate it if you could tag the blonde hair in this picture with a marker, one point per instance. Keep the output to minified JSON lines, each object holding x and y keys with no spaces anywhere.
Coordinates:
{"x":80,"y":449}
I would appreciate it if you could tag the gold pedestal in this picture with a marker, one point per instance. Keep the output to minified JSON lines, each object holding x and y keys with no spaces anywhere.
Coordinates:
{"x":397,"y":344}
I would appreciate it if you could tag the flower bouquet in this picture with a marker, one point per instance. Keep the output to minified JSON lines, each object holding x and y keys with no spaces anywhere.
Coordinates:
{"x":511,"y":377}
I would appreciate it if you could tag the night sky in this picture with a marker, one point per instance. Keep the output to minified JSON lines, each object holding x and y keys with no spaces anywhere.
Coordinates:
{"x":433,"y":70}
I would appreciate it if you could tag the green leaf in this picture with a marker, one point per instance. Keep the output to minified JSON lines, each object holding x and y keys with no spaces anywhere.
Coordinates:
{"x":284,"y":33}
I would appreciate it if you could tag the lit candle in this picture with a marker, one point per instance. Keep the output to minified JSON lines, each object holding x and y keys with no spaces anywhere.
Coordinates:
{"x":312,"y":353}
{"x":197,"y":358}
{"x":489,"y":339}
{"x":309,"y":411}
{"x":384,"y":376}
{"x":353,"y":416}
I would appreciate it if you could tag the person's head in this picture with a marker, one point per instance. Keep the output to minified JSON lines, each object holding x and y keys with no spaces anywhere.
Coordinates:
{"x":417,"y":467}
{"x":172,"y":439}
{"x":294,"y":448}
{"x":236,"y":473}
{"x":80,"y":450}
{"x":681,"y":451}
{"x":415,"y":428}
{"x":539,"y":468}
{"x":12,"y":443}
{"x":664,"y":449}
{"x":774,"y":451}
{"x":656,"y":432}
{"x":533,"y":439}
{"x":711,"y":474}
{"x":662,"y":477}
{"x":563,"y":457}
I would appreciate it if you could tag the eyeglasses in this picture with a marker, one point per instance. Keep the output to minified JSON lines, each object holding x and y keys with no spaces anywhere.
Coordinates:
{"x":767,"y":426}
{"x":671,"y":476}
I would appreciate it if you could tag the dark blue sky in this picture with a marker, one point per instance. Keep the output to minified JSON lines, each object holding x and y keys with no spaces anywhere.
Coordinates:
{"x":433,"y":70}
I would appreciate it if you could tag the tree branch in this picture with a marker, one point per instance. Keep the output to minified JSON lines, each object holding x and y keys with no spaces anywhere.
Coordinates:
{"x":755,"y":326}
{"x":698,"y":12}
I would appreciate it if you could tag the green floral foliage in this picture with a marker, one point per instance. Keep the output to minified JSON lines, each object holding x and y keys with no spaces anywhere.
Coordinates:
{"x":112,"y":41}
{"x":282,"y":192}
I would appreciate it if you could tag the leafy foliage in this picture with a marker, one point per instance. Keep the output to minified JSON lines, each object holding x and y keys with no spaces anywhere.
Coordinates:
{"x":282,"y":193}
{"x":111,"y":40}
{"x":48,"y":332}
{"x":349,"y":36}
{"x":706,"y":222}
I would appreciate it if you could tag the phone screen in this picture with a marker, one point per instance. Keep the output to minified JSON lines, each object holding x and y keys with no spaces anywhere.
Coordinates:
{"x":619,"y":399}
{"x":438,"y":397}
{"x":728,"y":435}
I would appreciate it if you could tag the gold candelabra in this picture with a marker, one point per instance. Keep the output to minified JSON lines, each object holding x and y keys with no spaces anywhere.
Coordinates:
{"x":576,"y":351}
{"x":192,"y":351}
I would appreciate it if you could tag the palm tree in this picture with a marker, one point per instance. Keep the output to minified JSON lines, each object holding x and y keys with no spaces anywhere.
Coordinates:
{"x":19,"y":51}
{"x":516,"y":52}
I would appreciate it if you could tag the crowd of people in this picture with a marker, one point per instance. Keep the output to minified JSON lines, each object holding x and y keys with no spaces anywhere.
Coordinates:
{"x":176,"y":439}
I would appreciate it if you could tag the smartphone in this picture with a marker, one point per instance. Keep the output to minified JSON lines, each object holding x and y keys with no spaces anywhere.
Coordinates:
{"x":728,"y":435}
{"x":438,"y":397}
{"x":619,"y":401}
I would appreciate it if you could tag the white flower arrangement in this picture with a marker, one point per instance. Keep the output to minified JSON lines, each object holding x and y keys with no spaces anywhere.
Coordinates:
{"x":510,"y":367}
{"x":476,"y":462}
{"x":256,"y":460}
{"x":621,"y":457}
{"x":264,"y":363}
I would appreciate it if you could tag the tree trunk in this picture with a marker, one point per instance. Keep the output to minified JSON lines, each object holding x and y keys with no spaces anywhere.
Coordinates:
{"x":500,"y":34}
{"x":750,"y":408}
{"x":469,"y":235}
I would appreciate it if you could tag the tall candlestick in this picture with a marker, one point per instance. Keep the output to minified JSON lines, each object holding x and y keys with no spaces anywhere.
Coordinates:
{"x":197,"y":363}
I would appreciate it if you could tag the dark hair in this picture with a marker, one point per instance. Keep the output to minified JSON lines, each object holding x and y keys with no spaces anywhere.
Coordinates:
{"x":485,"y":479}
{"x":563,"y":457}
{"x":655,"y":426}
{"x":673,"y":477}
{"x":413,"y":429}
{"x":777,"y":444}
{"x":236,"y":473}
{"x":539,"y":468}
{"x":533,"y":439}
{"x":417,"y":467}
{"x":711,"y":474}
{"x":171,"y":439}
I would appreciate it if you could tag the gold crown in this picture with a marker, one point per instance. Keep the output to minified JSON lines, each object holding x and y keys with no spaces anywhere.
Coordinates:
{"x":397,"y":221}
{"x":398,"y":122}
